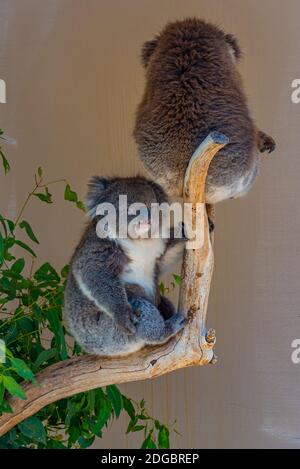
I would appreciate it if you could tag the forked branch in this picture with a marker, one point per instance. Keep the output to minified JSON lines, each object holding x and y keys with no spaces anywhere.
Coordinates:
{"x":194,"y":346}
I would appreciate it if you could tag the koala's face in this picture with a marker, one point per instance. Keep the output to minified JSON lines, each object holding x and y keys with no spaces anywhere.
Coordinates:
{"x":129,"y":201}
{"x":188,"y":41}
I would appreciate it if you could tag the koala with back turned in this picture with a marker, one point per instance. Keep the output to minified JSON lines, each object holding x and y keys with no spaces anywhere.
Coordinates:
{"x":112,"y":301}
{"x":193,"y":87}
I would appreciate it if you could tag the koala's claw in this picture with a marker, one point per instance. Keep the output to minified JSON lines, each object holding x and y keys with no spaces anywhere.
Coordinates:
{"x":178,"y":321}
{"x":127,"y":322}
{"x":129,"y":328}
{"x":266,"y":143}
{"x":269,"y":145}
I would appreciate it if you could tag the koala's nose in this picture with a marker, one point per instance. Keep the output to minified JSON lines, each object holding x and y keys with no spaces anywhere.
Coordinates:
{"x":144,"y":225}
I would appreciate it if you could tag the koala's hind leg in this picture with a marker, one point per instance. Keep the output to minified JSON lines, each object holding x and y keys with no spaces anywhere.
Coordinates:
{"x":265,"y":142}
{"x":237,"y":187}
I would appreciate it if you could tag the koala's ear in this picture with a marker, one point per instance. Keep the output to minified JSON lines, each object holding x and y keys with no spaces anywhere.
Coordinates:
{"x":97,"y":185}
{"x":159,"y":192}
{"x":147,"y":50}
{"x":233,"y":46}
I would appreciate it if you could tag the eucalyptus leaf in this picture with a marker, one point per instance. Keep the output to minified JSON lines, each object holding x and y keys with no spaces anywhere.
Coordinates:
{"x":24,"y":224}
{"x":13,"y":387}
{"x":22,"y":369}
{"x":115,"y":398}
{"x":44,"y":197}
{"x":1,"y":249}
{"x":163,"y":438}
{"x":178,"y":279}
{"x":33,"y":428}
{"x":25,"y":246}
{"x":5,"y":163}
{"x":105,"y":414}
{"x":44,"y":356}
{"x":70,"y":194}
{"x":81,"y":205}
{"x":128,"y":406}
{"x":18,"y":266}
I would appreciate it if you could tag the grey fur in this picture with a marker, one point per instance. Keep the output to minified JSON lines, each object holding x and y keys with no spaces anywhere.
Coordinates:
{"x":105,"y":315}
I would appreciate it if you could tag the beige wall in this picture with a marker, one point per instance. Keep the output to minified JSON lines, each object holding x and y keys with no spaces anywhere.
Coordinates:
{"x":73,"y":81}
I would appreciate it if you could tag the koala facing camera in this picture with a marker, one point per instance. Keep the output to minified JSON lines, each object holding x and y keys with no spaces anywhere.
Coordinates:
{"x":112,"y":300}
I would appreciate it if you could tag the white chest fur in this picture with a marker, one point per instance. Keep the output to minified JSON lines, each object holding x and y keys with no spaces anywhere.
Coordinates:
{"x":143,"y":255}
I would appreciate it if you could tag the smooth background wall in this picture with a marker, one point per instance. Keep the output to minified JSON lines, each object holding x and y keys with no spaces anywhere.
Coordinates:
{"x":74,"y":79}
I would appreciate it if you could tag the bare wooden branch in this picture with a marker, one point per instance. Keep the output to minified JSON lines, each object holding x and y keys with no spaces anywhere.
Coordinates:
{"x":194,"y":346}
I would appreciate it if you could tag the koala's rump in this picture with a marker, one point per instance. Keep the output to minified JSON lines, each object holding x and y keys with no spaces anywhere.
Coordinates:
{"x":180,"y":108}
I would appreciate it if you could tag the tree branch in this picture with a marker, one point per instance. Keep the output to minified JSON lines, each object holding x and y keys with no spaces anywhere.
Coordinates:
{"x":193,"y":346}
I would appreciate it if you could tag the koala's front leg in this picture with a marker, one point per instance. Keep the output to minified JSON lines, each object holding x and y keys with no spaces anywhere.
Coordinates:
{"x":265,"y":142}
{"x":107,"y":292}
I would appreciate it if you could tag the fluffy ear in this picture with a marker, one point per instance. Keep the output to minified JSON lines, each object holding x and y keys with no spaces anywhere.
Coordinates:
{"x":96,"y":187}
{"x":147,"y":50}
{"x":159,"y":192}
{"x":234,"y":46}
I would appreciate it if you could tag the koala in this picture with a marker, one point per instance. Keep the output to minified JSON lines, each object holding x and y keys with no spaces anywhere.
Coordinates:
{"x":193,"y":87}
{"x":112,"y":302}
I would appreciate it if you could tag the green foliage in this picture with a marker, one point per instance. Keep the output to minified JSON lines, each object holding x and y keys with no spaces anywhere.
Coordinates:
{"x":73,"y":197}
{"x":32,"y":328}
{"x":156,"y":435}
{"x":5,"y":163}
{"x":164,"y":290}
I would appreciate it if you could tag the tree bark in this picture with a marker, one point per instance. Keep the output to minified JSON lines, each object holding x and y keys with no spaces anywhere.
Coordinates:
{"x":193,"y":346}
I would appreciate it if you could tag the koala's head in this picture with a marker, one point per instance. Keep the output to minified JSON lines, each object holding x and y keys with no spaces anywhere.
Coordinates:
{"x":123,"y":204}
{"x":191,"y":36}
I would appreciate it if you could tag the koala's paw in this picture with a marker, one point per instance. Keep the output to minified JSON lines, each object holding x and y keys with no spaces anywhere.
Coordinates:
{"x":177,"y":322}
{"x":265,"y":143}
{"x":127,"y":321}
